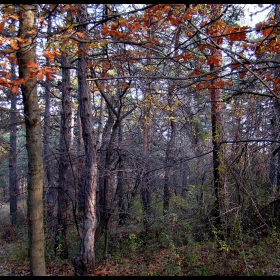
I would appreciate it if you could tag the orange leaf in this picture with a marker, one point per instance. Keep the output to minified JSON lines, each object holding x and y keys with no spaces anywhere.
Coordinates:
{"x":104,"y":29}
{"x":267,"y":31}
{"x":32,"y":73}
{"x":259,"y":26}
{"x":242,"y":75}
{"x":4,"y":82}
{"x":4,"y":64}
{"x":229,"y":83}
{"x":57,"y":53}
{"x":14,"y":89}
{"x":187,"y":56}
{"x":49,"y":77}
{"x":233,"y":66}
{"x":277,"y":81}
{"x":81,"y":35}
{"x":219,"y":84}
{"x":209,"y":77}
{"x":2,"y":72}
{"x":2,"y":26}
{"x":32,"y":64}
{"x":213,"y":60}
{"x":14,"y":45}
{"x":7,"y":76}
{"x":20,"y":40}
{"x":81,"y":52}
{"x":19,"y":81}
{"x":47,"y":54}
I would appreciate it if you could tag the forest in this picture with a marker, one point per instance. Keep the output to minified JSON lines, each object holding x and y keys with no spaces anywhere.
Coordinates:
{"x":139,"y":139}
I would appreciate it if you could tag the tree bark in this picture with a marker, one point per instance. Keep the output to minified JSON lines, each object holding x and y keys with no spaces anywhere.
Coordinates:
{"x":218,"y":154}
{"x":49,"y":192}
{"x":84,"y":262}
{"x":64,"y":149}
{"x":81,"y":166}
{"x":169,"y":173}
{"x":13,"y":182}
{"x":26,"y":54}
{"x":120,"y":186}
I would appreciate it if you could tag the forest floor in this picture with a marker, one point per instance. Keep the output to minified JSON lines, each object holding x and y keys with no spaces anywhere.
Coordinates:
{"x":197,"y":259}
{"x":164,"y":253}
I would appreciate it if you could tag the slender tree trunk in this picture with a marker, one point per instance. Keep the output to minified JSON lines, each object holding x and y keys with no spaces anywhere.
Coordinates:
{"x":13,"y":182}
{"x":64,"y":149}
{"x":84,"y":263}
{"x":274,"y":172}
{"x":102,"y":142}
{"x":102,"y":191}
{"x":81,"y":166}
{"x":101,"y":123}
{"x":105,"y":180}
{"x":169,"y":175}
{"x":145,"y":191}
{"x":26,"y":54}
{"x":120,"y":186}
{"x":218,"y":153}
{"x":49,"y":191}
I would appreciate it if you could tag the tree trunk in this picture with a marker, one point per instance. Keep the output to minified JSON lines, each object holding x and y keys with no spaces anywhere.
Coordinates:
{"x":64,"y":147}
{"x":145,"y":191}
{"x":169,"y":175}
{"x":81,"y":166}
{"x":218,"y":154}
{"x":84,"y":263}
{"x":120,"y":186}
{"x":13,"y":182}
{"x":26,"y":54}
{"x":274,"y":171}
{"x":49,"y":191}
{"x":103,"y":165}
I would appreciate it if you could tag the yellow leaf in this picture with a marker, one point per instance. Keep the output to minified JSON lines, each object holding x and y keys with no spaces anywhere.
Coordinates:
{"x":103,"y":43}
{"x":172,"y":119}
{"x":94,"y":45}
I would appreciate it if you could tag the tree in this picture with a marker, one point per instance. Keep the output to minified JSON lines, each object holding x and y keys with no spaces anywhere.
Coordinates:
{"x":50,"y":192}
{"x":85,"y":261}
{"x":13,"y":179}
{"x":26,"y":56}
{"x":64,"y":160}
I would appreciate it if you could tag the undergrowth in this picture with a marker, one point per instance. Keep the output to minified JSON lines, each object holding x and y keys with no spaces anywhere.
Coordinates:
{"x":171,"y":247}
